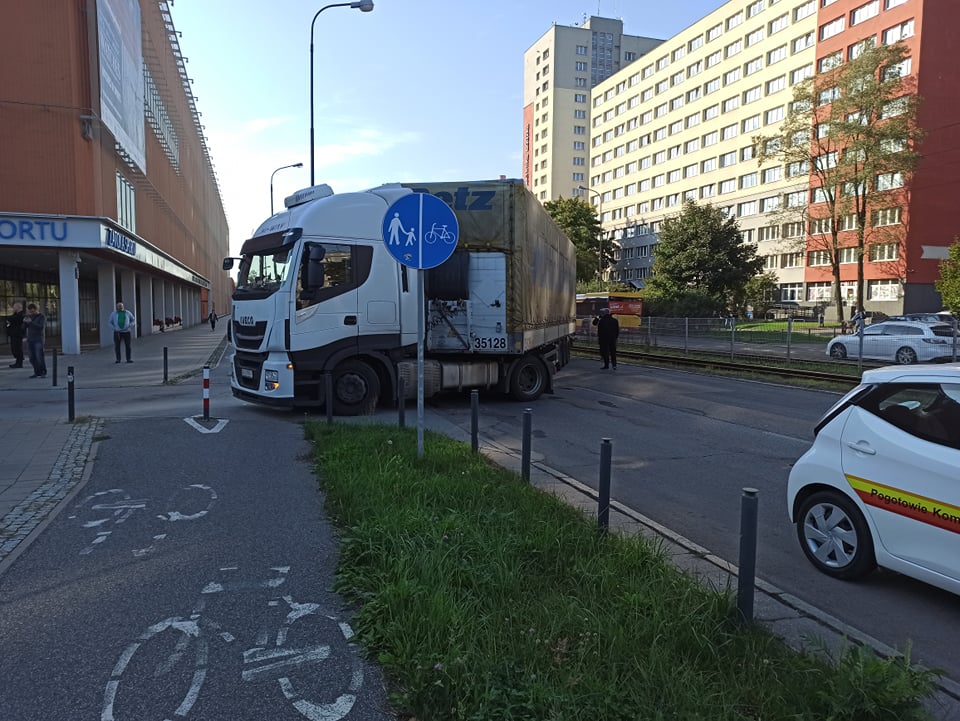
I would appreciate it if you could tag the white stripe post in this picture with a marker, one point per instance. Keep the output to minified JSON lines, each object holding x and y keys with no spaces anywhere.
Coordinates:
{"x":206,"y":393}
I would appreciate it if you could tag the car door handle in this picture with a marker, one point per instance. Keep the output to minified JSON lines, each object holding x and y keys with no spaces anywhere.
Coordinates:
{"x":862,"y":448}
{"x":350,"y":320}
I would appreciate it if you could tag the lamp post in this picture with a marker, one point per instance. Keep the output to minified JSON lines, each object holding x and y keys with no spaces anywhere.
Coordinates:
{"x":600,"y":246}
{"x":363,"y":6}
{"x":282,"y":167}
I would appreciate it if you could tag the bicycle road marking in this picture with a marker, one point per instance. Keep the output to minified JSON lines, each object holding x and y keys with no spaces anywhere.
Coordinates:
{"x":117,"y":512}
{"x":260,"y":662}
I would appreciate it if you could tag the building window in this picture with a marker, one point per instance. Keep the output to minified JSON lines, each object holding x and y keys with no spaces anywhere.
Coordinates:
{"x":834,"y":27}
{"x":126,"y":204}
{"x":881,"y":252}
{"x":774,"y":115}
{"x":801,"y":74}
{"x":748,"y":208}
{"x":711,"y":86}
{"x":753,"y":94}
{"x":728,"y":132}
{"x":755,"y":37}
{"x":770,"y":204}
{"x":831,"y":61}
{"x":714,"y":32}
{"x":733,"y":48}
{"x":708,"y":165}
{"x":728,"y":159}
{"x":796,"y":199}
{"x":887,"y":289}
{"x":865,"y":12}
{"x":793,"y":230}
{"x":751,"y":123}
{"x":772,"y":175}
{"x":886,"y":216}
{"x":791,"y":291}
{"x":731,"y":76}
{"x":778,"y":24}
{"x":714,"y":58}
{"x":818,"y":257}
{"x":579,"y":98}
{"x":710,"y":139}
{"x":807,"y":9}
{"x":791,"y":260}
{"x":754,"y":66}
{"x":848,"y":256}
{"x":768,"y":232}
{"x":889,"y":181}
{"x":804,"y":41}
{"x":695,"y":43}
{"x":708,"y":191}
{"x":776,"y":55}
{"x":731,"y":103}
{"x":821,"y":226}
{"x":776,"y":85}
{"x":820,"y":292}
{"x":728,"y":186}
{"x":712,"y":112}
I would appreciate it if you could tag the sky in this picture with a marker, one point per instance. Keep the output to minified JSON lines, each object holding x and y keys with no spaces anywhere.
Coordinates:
{"x":416,"y":90}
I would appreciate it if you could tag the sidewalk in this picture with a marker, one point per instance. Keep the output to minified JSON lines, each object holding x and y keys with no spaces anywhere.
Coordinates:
{"x":45,"y":459}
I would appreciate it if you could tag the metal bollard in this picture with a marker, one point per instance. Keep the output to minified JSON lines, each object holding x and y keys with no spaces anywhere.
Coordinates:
{"x":603,"y":497}
{"x":165,"y":366}
{"x":748,"y":554}
{"x":328,"y":390}
{"x":525,"y":444}
{"x":71,"y":407}
{"x":474,"y":420}
{"x":54,"y":366}
{"x":402,"y":401}
{"x":789,"y":336}
{"x":206,"y":393}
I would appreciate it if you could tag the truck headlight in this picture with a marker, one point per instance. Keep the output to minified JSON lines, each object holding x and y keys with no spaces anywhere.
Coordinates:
{"x":271,"y":380}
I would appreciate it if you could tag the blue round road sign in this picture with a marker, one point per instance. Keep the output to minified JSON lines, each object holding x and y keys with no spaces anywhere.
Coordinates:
{"x":420,"y":230}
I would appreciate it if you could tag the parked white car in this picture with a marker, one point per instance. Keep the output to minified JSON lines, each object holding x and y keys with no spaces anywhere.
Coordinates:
{"x":879,"y":485}
{"x":903,"y":342}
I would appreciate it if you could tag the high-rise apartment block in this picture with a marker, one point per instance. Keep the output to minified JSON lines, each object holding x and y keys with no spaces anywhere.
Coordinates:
{"x":559,"y":71}
{"x":679,"y":124}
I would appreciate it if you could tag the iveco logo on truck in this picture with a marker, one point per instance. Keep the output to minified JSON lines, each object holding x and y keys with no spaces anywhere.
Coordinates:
{"x":246,"y":320}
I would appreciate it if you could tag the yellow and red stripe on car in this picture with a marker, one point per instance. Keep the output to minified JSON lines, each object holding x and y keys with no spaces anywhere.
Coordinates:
{"x":896,"y":500}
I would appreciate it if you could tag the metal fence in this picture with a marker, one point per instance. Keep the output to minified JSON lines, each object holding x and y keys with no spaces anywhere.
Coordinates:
{"x":790,"y":341}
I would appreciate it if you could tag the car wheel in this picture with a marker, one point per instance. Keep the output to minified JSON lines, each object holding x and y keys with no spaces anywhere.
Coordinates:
{"x":838,"y":351}
{"x":356,"y":389}
{"x":834,"y":536}
{"x":906,"y":356}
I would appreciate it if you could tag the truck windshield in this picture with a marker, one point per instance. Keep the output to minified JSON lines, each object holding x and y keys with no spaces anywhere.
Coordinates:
{"x":264,"y":271}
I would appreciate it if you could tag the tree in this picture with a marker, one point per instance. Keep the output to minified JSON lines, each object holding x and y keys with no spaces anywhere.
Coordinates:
{"x":760,"y":293}
{"x":579,"y":221}
{"x":853,"y":128}
{"x":949,"y":283}
{"x":701,"y":259}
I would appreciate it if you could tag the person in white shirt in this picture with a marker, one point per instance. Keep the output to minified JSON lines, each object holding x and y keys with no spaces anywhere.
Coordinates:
{"x":122,"y":322}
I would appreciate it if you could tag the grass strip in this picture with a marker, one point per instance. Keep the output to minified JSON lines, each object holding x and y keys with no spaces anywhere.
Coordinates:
{"x":484,"y":598}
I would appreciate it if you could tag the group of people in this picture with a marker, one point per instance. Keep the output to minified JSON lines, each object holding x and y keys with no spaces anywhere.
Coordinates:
{"x":30,"y":325}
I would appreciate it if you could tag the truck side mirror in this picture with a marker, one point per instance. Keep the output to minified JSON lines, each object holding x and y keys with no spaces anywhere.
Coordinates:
{"x":227,"y":263}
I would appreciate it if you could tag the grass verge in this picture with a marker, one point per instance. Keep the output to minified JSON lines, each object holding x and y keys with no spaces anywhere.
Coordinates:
{"x":486,"y":599}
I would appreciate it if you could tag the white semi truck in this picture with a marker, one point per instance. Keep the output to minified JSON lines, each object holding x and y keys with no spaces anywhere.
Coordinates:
{"x":318,"y":293}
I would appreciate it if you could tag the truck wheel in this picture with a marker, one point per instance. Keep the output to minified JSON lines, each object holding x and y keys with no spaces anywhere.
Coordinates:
{"x":356,"y":389}
{"x":529,"y":379}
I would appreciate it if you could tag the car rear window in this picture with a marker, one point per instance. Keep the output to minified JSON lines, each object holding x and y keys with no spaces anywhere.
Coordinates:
{"x":943,"y":330}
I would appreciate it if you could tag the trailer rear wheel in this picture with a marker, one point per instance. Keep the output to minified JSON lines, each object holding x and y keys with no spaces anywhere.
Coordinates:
{"x":356,"y":389}
{"x":529,"y":379}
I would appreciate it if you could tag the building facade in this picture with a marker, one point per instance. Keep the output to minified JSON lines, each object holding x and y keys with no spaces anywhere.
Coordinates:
{"x":109,"y":192}
{"x":681,"y":124}
{"x":558,"y":72}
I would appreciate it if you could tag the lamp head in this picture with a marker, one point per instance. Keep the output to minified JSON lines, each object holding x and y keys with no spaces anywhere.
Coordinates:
{"x":363,"y":6}
{"x":297,"y":165}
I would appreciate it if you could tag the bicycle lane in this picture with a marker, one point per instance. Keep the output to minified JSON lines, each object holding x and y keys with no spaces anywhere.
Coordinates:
{"x":190,"y":577}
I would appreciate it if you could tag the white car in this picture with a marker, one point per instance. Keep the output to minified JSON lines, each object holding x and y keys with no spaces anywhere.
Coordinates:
{"x":903,"y":342}
{"x":881,"y":483}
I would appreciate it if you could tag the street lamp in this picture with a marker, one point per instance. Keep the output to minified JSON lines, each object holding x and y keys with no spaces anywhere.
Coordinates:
{"x":282,"y":167}
{"x":600,"y":247}
{"x":363,"y":6}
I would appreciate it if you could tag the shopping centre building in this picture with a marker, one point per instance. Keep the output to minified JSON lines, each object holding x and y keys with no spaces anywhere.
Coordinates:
{"x":678,"y":123}
{"x":108,"y":190}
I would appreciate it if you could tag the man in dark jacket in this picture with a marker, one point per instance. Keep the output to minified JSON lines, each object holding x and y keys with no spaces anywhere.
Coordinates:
{"x":608,"y":329}
{"x":15,"y":334}
{"x":34,"y":322}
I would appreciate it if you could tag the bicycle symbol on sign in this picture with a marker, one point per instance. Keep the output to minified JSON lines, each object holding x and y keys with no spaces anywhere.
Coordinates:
{"x":432,"y":235}
{"x":103,"y":511}
{"x":284,"y":651}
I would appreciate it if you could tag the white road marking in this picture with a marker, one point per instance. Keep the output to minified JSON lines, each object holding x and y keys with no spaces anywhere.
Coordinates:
{"x":294,"y":657}
{"x":199,"y":427}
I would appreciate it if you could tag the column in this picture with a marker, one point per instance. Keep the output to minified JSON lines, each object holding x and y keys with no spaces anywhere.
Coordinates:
{"x":106,"y":301}
{"x":146,"y":316}
{"x":69,"y":302}
{"x":128,"y":293}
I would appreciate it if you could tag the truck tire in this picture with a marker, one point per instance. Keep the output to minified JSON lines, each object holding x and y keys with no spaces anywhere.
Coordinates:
{"x":356,"y":389}
{"x":529,"y":379}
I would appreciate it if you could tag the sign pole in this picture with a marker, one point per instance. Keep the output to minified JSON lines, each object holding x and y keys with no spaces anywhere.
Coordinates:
{"x":420,"y":341}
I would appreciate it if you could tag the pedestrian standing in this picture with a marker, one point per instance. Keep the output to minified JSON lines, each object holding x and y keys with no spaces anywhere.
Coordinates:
{"x":122,"y":322}
{"x":858,"y":320}
{"x":213,"y":320}
{"x":34,"y":323}
{"x":608,"y":329}
{"x":15,"y":334}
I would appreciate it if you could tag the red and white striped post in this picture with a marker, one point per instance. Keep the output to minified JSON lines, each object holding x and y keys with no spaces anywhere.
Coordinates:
{"x":206,"y":393}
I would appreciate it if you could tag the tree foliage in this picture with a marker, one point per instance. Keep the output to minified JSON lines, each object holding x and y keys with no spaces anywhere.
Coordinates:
{"x":853,"y":129}
{"x":579,"y":221}
{"x":760,"y":293}
{"x":949,"y":283}
{"x":701,"y":260}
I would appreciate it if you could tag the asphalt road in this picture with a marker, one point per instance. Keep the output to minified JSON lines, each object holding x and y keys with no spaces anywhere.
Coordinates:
{"x":190,"y":577}
{"x":684,"y":447}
